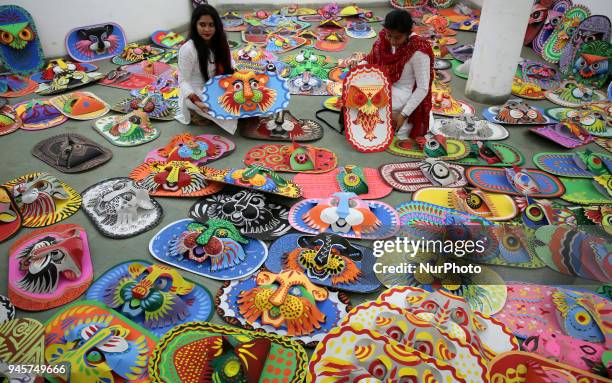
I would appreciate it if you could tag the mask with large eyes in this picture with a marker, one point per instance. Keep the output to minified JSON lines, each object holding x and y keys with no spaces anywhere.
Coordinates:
{"x":444,"y":102}
{"x":133,"y":127}
{"x":579,"y":316}
{"x":173,"y":176}
{"x":513,"y":242}
{"x":155,"y":295}
{"x":435,"y":146}
{"x":38,"y":197}
{"x":566,"y":28}
{"x":307,"y":84}
{"x":20,"y":49}
{"x":521,"y":181}
{"x":516,"y":112}
{"x":438,"y":172}
{"x":287,"y":300}
{"x":51,"y":258}
{"x":591,"y":162}
{"x":216,"y":244}
{"x":342,"y":213}
{"x":451,"y":313}
{"x":386,"y":362}
{"x":251,"y":212}
{"x":325,"y":256}
{"x":246,"y":90}
{"x":592,"y":63}
{"x":572,"y":92}
{"x":368,"y":100}
{"x":97,"y":350}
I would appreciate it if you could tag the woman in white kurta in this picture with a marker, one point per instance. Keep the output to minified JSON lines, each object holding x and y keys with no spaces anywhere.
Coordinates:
{"x":407,"y":60}
{"x":207,"y":44}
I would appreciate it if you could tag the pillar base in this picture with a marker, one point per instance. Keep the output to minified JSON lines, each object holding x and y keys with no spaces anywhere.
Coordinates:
{"x":484,"y":98}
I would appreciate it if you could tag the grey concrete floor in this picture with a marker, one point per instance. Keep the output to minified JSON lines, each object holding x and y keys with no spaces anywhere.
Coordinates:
{"x":16,"y":160}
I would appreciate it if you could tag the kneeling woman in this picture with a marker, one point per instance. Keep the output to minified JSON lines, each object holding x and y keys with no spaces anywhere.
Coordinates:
{"x":407,"y":59}
{"x":206,"y":54}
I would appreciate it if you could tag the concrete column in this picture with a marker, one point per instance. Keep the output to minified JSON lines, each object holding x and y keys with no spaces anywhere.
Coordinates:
{"x":497,"y":50}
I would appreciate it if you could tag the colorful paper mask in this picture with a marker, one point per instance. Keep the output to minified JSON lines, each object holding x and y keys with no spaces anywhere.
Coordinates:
{"x":366,"y":97}
{"x":167,"y":39}
{"x":563,"y":32}
{"x":22,"y":340}
{"x":95,"y":42}
{"x":215,"y":249}
{"x":13,"y":85}
{"x":10,"y":122}
{"x":154,"y":296}
{"x":491,"y":206}
{"x":516,"y":112}
{"x":59,"y":66}
{"x":360,"y":30}
{"x":153,"y":104}
{"x":256,"y":177}
{"x":510,"y":366}
{"x":71,"y":153}
{"x":590,"y":117}
{"x":326,"y":259}
{"x":292,"y":158}
{"x":226,"y":354}
{"x":97,"y":344}
{"x":553,"y":18}
{"x":543,"y":75}
{"x":412,"y":176}
{"x":38,"y":114}
{"x":282,"y":44}
{"x":283,"y":126}
{"x":533,"y":310}
{"x":286,"y":303}
{"x":592,"y":63}
{"x":255,"y":34}
{"x":574,"y":251}
{"x":254,"y":53}
{"x":445,"y":104}
{"x":331,"y":42}
{"x":127,"y":130}
{"x":308,"y":61}
{"x":245,"y":94}
{"x":361,"y":355}
{"x":593,"y":28}
{"x":574,"y":94}
{"x":80,"y":105}
{"x":68,"y":80}
{"x":419,"y":337}
{"x":539,"y":12}
{"x":173,"y":179}
{"x":345,"y":214}
{"x":367,"y":183}
{"x":198,"y":150}
{"x":7,"y":310}
{"x":120,"y":208}
{"x":251,"y":212}
{"x":469,"y":128}
{"x":49,"y":267}
{"x":584,"y":164}
{"x":306,"y":84}
{"x":133,"y":53}
{"x":20,"y":47}
{"x":453,"y":314}
{"x":43,"y":199}
{"x":10,"y":216}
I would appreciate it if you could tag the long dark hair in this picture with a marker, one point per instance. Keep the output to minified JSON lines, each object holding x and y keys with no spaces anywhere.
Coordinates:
{"x":399,"y":20}
{"x":218,"y":43}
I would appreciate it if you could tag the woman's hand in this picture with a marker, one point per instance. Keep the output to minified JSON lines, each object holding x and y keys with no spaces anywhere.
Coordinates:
{"x":201,"y":106}
{"x":399,"y":121}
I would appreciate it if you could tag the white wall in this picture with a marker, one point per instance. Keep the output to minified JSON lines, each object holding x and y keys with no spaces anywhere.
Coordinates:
{"x":597,"y":7}
{"x":139,"y":18}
